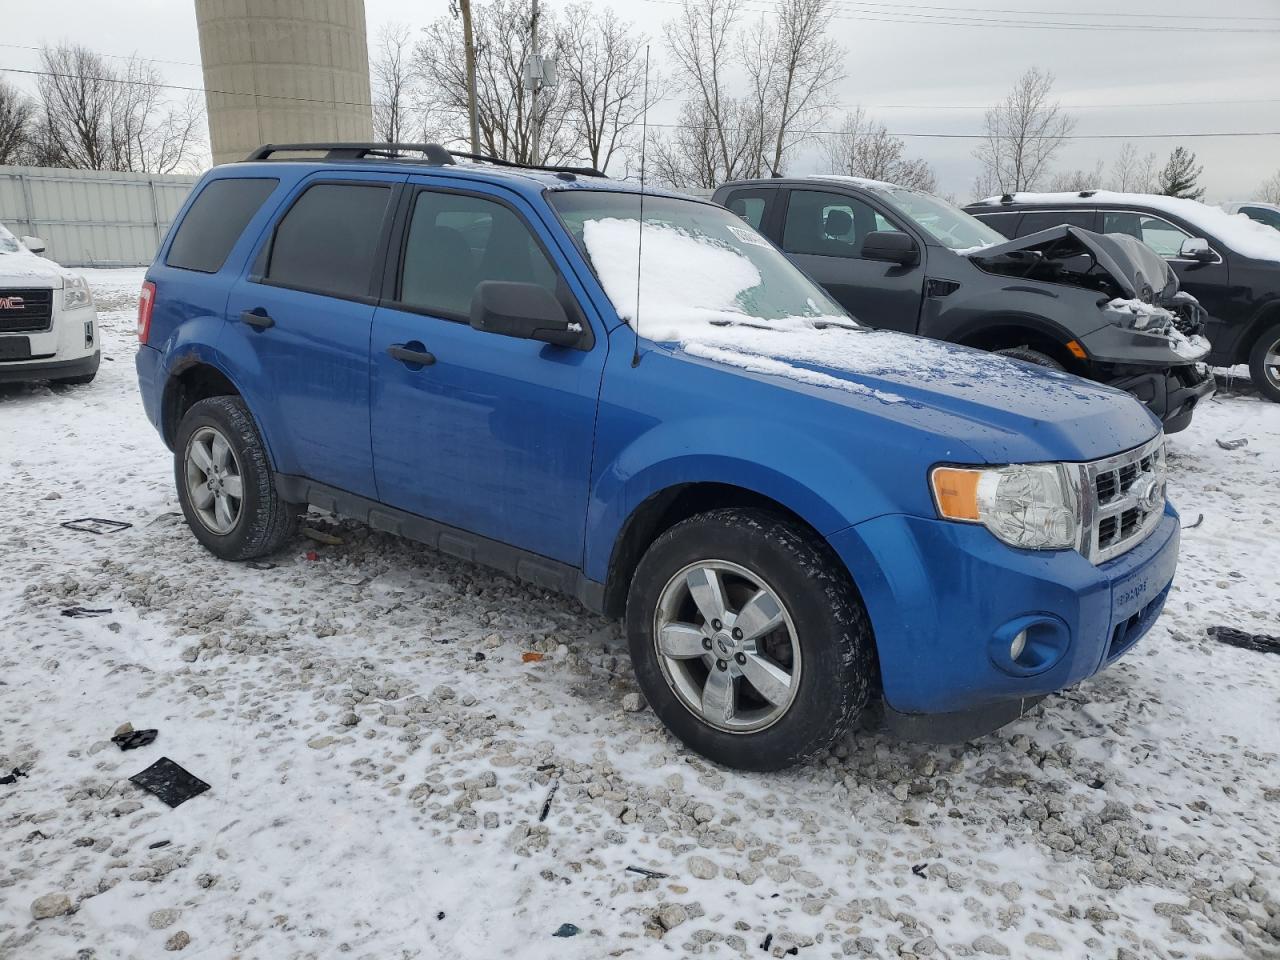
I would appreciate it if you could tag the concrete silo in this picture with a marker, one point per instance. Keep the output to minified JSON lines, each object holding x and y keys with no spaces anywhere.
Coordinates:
{"x":281,"y":71}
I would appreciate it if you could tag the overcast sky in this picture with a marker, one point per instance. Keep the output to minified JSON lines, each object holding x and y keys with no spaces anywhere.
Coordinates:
{"x":923,"y":77}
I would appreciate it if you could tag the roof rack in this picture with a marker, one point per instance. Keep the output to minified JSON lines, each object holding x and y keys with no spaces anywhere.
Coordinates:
{"x":1086,"y":194}
{"x":1006,"y":198}
{"x":434,"y":154}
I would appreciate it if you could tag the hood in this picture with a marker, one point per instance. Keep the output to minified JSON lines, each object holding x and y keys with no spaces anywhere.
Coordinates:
{"x":1004,"y":410}
{"x":1138,"y":272}
{"x":19,"y":266}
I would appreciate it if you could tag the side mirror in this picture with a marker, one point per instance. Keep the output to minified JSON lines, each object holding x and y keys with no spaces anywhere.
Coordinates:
{"x":34,"y":244}
{"x":526,"y":311}
{"x":891,"y":246}
{"x":1197,"y":248}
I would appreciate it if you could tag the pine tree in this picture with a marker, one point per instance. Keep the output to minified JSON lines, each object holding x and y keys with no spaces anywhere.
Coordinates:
{"x":1179,"y":176}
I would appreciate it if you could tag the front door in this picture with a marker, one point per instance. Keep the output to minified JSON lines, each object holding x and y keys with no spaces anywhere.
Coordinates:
{"x":494,"y":434}
{"x":300,"y":322}
{"x":822,"y":234}
{"x":1207,"y":282}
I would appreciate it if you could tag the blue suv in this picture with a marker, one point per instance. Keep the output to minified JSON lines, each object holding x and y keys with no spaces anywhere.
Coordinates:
{"x":634,"y":399}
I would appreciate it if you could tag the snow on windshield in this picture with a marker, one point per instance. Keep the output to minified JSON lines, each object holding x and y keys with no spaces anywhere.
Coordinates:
{"x":1237,"y":231}
{"x":700,"y":291}
{"x":8,"y":242}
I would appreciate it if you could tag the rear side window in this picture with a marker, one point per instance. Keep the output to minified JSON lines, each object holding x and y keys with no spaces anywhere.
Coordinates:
{"x":1044,"y":219}
{"x":328,"y":240}
{"x":215,"y":221}
{"x":456,"y":242}
{"x":749,"y":205}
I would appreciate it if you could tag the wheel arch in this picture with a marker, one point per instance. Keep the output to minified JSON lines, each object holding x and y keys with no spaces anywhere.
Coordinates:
{"x":663,"y":509}
{"x":192,"y":380}
{"x":1262,"y":321}
{"x":997,"y":333}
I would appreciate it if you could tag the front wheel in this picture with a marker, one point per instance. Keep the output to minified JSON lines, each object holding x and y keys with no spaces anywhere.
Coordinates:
{"x":1264,"y":363}
{"x":749,"y":639}
{"x":1027,"y":355}
{"x":225,"y":483}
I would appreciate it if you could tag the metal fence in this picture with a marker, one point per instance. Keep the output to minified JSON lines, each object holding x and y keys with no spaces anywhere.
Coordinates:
{"x":92,"y":217}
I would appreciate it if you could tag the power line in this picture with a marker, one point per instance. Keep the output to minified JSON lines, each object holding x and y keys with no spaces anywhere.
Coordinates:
{"x":672,"y":126}
{"x":959,"y":20}
{"x":1053,"y":13}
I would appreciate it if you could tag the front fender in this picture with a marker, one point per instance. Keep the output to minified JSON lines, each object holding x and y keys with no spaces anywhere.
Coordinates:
{"x":790,"y":467}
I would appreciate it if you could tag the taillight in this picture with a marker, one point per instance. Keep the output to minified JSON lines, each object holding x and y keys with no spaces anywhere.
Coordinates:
{"x":146,"y":303}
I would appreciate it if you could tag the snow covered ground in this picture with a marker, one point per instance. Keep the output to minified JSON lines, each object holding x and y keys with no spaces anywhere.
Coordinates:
{"x":381,"y":751}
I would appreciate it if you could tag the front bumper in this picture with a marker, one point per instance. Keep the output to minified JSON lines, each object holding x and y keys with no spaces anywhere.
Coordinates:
{"x":942,"y":596}
{"x":1172,"y":394}
{"x":28,"y":370}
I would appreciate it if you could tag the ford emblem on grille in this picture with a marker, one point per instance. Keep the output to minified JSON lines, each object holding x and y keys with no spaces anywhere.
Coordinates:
{"x":12,"y":303}
{"x":1149,"y":492}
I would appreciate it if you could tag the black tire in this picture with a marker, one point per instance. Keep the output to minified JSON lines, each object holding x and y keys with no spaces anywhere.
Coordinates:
{"x":831,"y":627}
{"x":1027,"y":355}
{"x":1268,"y":385}
{"x":265,"y":521}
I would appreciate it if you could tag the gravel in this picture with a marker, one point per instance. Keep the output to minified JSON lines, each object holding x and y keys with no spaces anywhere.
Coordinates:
{"x":380,"y":753}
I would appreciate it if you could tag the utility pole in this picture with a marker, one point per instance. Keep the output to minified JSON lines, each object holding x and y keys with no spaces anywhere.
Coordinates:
{"x":536,"y":121}
{"x":469,"y":41}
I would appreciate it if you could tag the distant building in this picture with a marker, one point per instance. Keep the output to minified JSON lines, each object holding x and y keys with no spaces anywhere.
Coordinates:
{"x":280,"y":71}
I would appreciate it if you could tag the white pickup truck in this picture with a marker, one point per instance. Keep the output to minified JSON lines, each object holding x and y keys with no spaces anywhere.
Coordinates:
{"x":48,"y":324}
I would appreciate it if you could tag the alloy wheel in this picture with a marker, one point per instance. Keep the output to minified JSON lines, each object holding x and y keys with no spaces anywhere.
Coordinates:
{"x":214,"y":483}
{"x":727,"y":646}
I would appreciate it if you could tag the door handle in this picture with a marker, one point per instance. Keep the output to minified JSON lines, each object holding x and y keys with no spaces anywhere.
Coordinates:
{"x":411,"y":353}
{"x":259,"y":320}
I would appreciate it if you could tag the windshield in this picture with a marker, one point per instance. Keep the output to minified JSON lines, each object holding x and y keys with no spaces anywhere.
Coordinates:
{"x":700,"y":265}
{"x":8,"y":242}
{"x":949,"y":225}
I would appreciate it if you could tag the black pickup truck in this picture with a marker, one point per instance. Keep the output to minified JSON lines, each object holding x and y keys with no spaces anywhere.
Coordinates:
{"x":1104,"y":308}
{"x":1228,"y":262}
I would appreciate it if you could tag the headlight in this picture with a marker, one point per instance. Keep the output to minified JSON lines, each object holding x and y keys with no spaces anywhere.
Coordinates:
{"x":1034,"y":506}
{"x":75,"y":293}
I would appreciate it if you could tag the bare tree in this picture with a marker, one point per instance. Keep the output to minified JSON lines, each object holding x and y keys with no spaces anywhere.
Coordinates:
{"x":864,"y":148}
{"x":602,"y":65}
{"x":1269,"y":192}
{"x":96,"y":117}
{"x":1024,"y":132}
{"x":794,"y":69}
{"x":394,"y":73}
{"x":1131,"y":173}
{"x":16,"y":116}
{"x":503,"y":107}
{"x":720,"y":136}
{"x":1075,"y":181}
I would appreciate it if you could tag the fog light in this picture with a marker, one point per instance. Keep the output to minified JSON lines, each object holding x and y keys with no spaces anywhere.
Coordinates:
{"x":1019,"y":644}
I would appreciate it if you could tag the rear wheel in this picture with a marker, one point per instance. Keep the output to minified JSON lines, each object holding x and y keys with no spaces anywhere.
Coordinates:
{"x":748,"y":639}
{"x":1264,"y":363}
{"x":225,"y":483}
{"x":1028,"y":355}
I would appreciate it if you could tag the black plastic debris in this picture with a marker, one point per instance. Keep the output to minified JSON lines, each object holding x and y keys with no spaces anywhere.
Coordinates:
{"x":1258,"y":642}
{"x":1192,"y":526}
{"x":134,"y":739}
{"x":546,"y":804}
{"x":567,"y":930}
{"x":919,"y":870}
{"x":168,"y":781}
{"x":440,"y":915}
{"x":96,"y":525}
{"x":85,"y":611}
{"x":158,"y":844}
{"x":768,"y":942}
{"x":651,"y":874}
{"x":12,"y":777}
{"x":1232,"y":444}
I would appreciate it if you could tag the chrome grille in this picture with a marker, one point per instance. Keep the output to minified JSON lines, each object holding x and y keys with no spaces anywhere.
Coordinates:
{"x":1128,"y":499}
{"x":26,"y":309}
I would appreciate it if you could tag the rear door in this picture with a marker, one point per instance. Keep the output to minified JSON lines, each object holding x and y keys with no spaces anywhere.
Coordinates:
{"x":822,"y":234}
{"x":300,"y":324}
{"x":495,"y":434}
